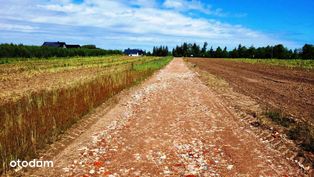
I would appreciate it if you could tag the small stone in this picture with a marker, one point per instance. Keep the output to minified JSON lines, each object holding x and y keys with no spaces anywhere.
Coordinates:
{"x":66,"y":170}
{"x":167,"y":171}
{"x":137,"y":156}
{"x":230,"y":167}
{"x":91,"y":171}
{"x":137,"y":173}
{"x":163,"y":157}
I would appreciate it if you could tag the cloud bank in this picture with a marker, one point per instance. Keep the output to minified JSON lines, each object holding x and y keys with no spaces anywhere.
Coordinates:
{"x":121,"y":24}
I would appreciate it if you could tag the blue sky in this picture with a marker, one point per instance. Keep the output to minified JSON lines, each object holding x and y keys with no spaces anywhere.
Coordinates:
{"x":118,"y":24}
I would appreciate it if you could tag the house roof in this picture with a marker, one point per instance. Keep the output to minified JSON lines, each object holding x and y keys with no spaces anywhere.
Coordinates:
{"x":54,"y":44}
{"x":72,"y":46}
{"x":133,"y":51}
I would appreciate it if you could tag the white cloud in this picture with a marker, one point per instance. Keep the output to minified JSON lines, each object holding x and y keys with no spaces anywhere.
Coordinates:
{"x":15,"y":27}
{"x":144,"y":25}
{"x":177,"y":4}
{"x":186,"y":5}
{"x":144,"y":3}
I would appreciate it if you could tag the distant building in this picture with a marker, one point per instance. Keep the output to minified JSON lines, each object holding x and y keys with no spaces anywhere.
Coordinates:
{"x":54,"y":44}
{"x":60,"y":45}
{"x":133,"y":52}
{"x":70,"y":46}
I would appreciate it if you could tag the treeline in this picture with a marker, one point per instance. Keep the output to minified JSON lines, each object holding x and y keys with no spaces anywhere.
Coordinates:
{"x":12,"y":50}
{"x":160,"y":51}
{"x":277,"y":51}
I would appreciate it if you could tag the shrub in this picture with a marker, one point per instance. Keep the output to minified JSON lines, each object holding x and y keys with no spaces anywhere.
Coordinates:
{"x":279,"y":118}
{"x":304,"y":134}
{"x":301,"y":132}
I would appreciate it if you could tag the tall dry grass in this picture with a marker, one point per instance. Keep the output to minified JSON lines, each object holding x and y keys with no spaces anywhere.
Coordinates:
{"x":35,"y":120}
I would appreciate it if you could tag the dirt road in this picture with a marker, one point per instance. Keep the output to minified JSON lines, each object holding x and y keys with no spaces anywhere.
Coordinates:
{"x":290,"y":90}
{"x":171,"y":125}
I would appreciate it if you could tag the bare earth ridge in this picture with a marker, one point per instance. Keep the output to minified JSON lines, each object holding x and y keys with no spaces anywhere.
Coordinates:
{"x":172,"y":125}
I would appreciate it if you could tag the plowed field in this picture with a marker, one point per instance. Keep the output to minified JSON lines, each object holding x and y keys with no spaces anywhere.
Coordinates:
{"x":286,"y":89}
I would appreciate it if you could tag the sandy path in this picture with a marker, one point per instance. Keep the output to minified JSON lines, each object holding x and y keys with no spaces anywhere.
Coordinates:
{"x":172,"y":125}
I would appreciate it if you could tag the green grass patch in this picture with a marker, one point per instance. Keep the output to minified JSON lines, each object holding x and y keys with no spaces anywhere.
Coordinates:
{"x":279,"y":118}
{"x":152,"y":65}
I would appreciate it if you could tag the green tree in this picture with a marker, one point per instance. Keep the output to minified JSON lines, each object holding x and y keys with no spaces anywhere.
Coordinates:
{"x":225,"y":53}
{"x":211,"y":52}
{"x":196,"y":52}
{"x":308,"y":51}
{"x":234,"y":53}
{"x":160,"y":51}
{"x":218,"y":53}
{"x":242,"y":51}
{"x":251,"y":52}
{"x":280,"y":52}
{"x":90,"y":46}
{"x":204,"y":49}
{"x":185,"y":50}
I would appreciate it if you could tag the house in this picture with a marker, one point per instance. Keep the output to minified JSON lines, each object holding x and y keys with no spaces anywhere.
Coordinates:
{"x":72,"y":46}
{"x":54,"y":44}
{"x":60,"y":45}
{"x":133,"y":52}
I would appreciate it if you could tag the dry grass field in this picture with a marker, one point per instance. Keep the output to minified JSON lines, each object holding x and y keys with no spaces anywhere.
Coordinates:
{"x":40,"y":99}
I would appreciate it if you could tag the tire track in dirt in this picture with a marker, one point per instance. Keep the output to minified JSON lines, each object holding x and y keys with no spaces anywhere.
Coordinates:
{"x":173,"y":125}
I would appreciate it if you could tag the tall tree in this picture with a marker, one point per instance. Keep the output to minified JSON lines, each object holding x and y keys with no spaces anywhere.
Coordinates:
{"x":204,"y":49}
{"x":225,"y":53}
{"x":308,"y":51}
{"x":211,"y":52}
{"x":279,"y":51}
{"x":160,"y":51}
{"x":218,"y":53}
{"x":196,"y":52}
{"x":234,"y":53}
{"x":185,"y":49}
{"x":242,"y":50}
{"x":251,"y":52}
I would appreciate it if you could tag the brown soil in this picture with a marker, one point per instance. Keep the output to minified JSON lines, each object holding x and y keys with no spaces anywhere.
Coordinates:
{"x":290,"y":90}
{"x":171,"y":125}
